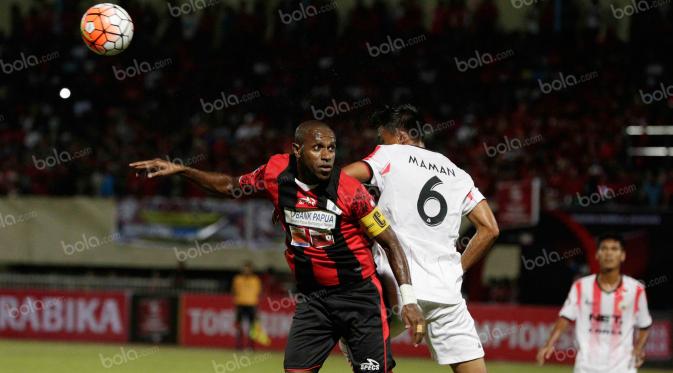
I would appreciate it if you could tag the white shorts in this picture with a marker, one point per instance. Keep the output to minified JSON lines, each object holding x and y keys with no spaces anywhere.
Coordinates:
{"x":452,"y":337}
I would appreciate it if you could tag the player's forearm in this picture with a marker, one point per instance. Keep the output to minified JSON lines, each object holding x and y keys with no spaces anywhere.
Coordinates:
{"x":480,"y":243}
{"x":398,"y":262}
{"x":641,"y":338}
{"x":212,"y":181}
{"x":487,"y":232}
{"x":559,"y":327}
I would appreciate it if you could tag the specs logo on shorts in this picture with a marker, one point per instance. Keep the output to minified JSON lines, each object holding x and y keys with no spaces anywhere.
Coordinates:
{"x":371,"y":364}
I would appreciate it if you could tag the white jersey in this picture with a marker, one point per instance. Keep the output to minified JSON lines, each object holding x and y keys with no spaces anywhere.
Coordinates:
{"x":604,"y":323}
{"x":424,"y":196}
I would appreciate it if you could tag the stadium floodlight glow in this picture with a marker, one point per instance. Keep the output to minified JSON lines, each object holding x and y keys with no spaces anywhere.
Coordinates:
{"x":64,"y":93}
{"x":651,"y":151}
{"x":649,"y":130}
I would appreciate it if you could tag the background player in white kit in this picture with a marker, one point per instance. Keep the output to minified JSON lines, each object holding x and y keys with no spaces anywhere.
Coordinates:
{"x":425,"y":195}
{"x":606,"y":308}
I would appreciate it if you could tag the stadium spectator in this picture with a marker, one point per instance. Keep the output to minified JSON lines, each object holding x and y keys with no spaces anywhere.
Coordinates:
{"x":288,"y":71}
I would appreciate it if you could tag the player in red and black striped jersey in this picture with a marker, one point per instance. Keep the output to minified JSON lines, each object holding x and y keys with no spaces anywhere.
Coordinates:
{"x":330,"y":221}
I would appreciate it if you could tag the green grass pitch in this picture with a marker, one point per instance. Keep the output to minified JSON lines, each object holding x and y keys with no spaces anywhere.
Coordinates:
{"x":18,"y":356}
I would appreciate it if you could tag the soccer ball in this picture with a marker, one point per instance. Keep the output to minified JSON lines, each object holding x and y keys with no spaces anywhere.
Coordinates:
{"x":107,"y":29}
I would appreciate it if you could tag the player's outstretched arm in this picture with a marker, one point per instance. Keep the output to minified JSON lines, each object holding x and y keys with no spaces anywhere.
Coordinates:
{"x":487,"y":232}
{"x":411,"y":312}
{"x":545,"y":351}
{"x":213,"y":181}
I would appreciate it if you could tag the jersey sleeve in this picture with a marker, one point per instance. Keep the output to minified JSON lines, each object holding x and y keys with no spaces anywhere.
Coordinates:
{"x":471,"y":200}
{"x":379,"y":163}
{"x":362,"y":203}
{"x":642,"y":316}
{"x":570,"y":308}
{"x":363,"y":208}
{"x":253,"y":183}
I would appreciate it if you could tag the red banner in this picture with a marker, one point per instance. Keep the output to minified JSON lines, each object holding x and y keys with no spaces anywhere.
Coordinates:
{"x":64,"y":315}
{"x":517,"y":203}
{"x":209,"y":320}
{"x":507,"y":332}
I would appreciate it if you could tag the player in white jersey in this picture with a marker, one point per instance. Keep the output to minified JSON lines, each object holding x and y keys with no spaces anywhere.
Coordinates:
{"x":606,"y":308}
{"x":424,"y":196}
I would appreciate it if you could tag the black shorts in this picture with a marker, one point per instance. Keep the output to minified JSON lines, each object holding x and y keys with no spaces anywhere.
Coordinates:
{"x":356,"y":313}
{"x":246,"y":312}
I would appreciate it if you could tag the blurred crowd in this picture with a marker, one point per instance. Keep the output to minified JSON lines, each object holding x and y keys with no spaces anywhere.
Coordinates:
{"x":494,"y":119}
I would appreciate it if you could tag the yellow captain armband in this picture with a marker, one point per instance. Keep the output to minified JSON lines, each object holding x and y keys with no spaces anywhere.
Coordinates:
{"x":375,"y":223}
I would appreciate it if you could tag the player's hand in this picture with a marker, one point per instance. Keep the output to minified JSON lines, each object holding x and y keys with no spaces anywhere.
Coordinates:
{"x":638,"y":357}
{"x":157,"y":167}
{"x":413,"y":318}
{"x":544,"y":353}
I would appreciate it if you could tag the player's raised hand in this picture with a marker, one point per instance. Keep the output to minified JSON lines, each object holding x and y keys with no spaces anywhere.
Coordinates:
{"x":413,"y":318}
{"x":157,"y":167}
{"x":544,"y":353}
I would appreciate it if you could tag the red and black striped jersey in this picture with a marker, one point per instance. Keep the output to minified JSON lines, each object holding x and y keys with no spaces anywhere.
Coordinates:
{"x":326,"y":245}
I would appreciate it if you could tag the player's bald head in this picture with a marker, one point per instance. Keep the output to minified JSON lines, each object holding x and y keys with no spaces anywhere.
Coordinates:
{"x":310,"y":130}
{"x":315,"y":149}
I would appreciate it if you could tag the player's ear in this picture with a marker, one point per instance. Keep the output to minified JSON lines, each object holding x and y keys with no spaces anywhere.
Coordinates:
{"x":402,"y":137}
{"x":296,"y":149}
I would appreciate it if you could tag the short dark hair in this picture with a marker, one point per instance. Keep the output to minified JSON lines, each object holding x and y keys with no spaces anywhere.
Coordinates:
{"x":402,"y":117}
{"x":612,"y":236}
{"x":381,"y":117}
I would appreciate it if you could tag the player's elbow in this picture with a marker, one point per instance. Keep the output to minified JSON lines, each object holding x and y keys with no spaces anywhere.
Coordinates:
{"x":227,"y":187}
{"x":495,"y":231}
{"x":491,"y":231}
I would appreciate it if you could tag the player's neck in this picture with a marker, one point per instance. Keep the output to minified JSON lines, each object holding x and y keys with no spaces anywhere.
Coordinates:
{"x":418,"y":144}
{"x":609,"y":279}
{"x":305,"y":176}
